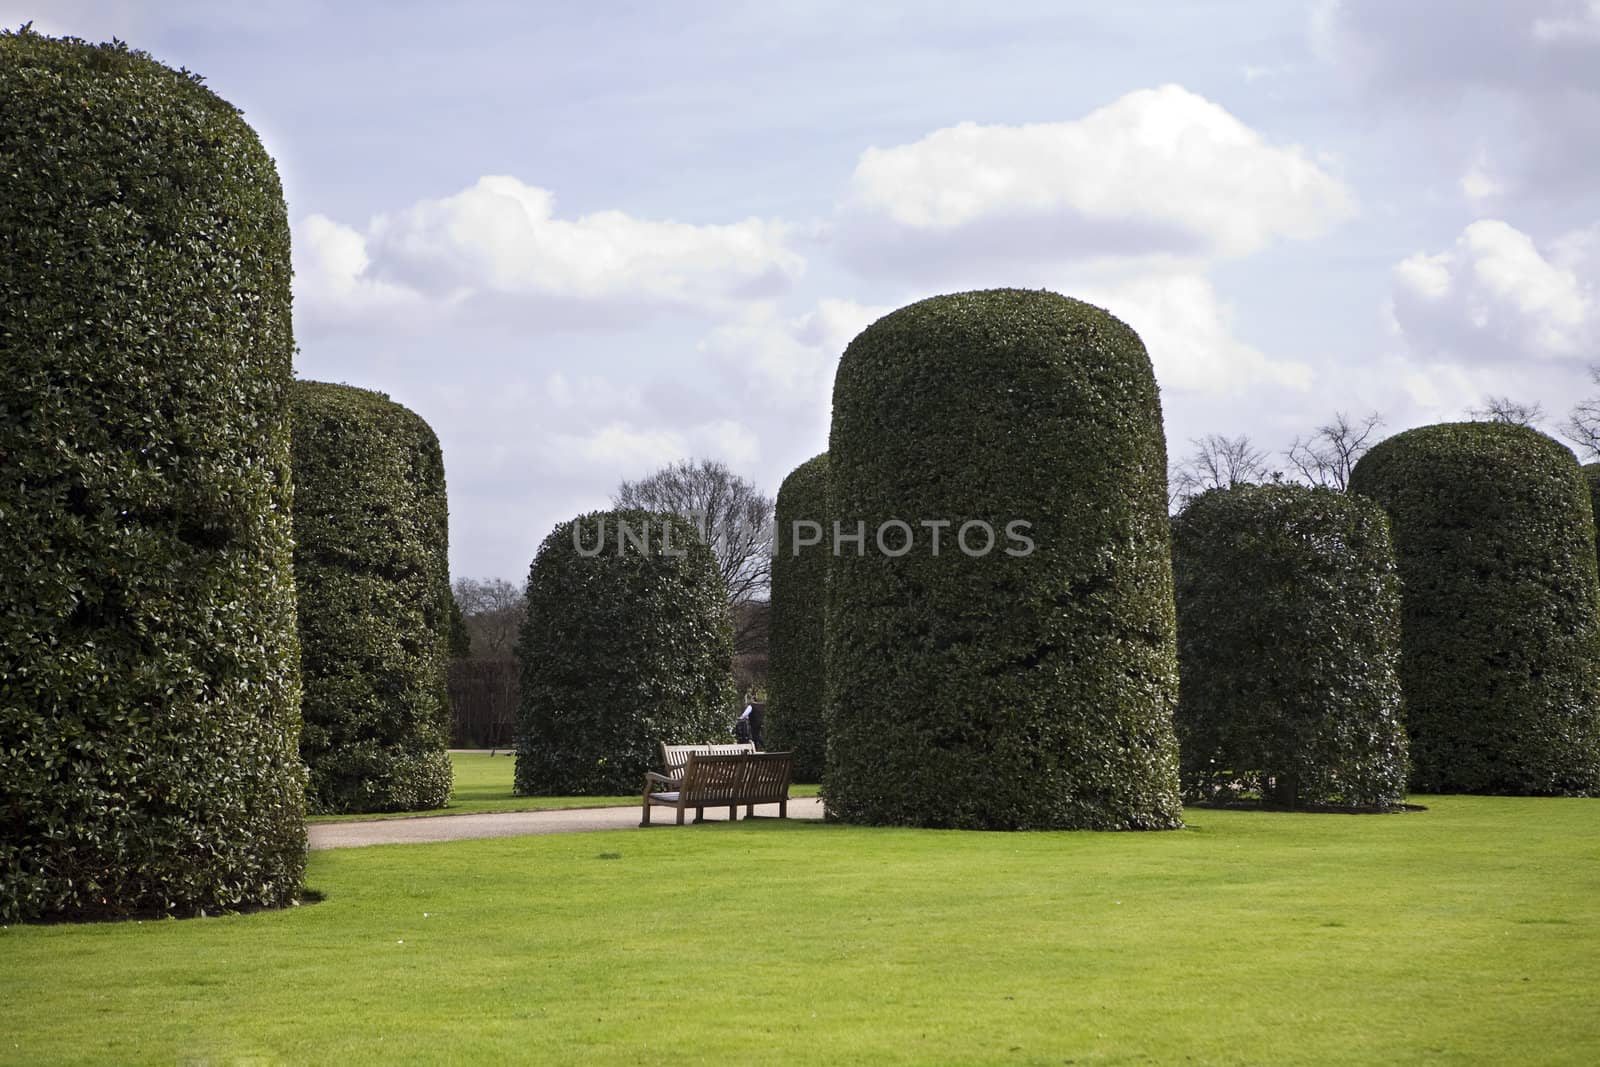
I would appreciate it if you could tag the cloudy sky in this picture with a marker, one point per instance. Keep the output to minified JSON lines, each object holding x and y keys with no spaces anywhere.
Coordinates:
{"x":586,"y":240}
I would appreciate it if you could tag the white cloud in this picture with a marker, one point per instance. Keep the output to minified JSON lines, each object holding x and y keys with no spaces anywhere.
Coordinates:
{"x":1453,"y":72}
{"x":631,"y":451}
{"x":1493,"y":297}
{"x":835,"y":323}
{"x":788,"y":360}
{"x":503,"y":236}
{"x":1578,"y":251}
{"x":1582,"y":27}
{"x":1424,"y":277}
{"x":1254,"y":73}
{"x":1478,"y":184}
{"x":1188,"y":332}
{"x":333,"y":283}
{"x":1157,"y":171}
{"x":623,"y":446}
{"x":1510,"y":43}
{"x":1125,"y":207}
{"x":585,"y":393}
{"x":499,"y":241}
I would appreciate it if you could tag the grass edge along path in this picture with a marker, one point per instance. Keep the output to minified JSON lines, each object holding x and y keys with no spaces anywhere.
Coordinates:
{"x":1462,"y":934}
{"x":483,"y":784}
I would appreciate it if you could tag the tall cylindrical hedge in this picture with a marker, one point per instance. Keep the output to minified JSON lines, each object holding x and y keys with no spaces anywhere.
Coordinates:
{"x":627,"y":643}
{"x":796,"y":665}
{"x":1029,"y":685}
{"x":371,"y":560}
{"x":149,"y":696}
{"x":1591,"y":475}
{"x":1288,"y":648}
{"x":1500,"y":660}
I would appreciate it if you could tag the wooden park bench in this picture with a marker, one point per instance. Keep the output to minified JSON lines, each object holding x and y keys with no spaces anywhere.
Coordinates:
{"x":674,"y":757}
{"x":712,"y":780}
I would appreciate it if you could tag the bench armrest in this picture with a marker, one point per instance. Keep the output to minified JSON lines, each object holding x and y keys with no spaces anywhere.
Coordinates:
{"x":652,"y":777}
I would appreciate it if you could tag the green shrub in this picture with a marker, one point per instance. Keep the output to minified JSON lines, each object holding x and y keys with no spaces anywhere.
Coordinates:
{"x":1591,"y":474}
{"x":149,"y":696}
{"x":627,"y":643}
{"x":460,"y":634}
{"x":1001,"y":691}
{"x":797,"y":655}
{"x":1500,"y":661}
{"x":371,"y":561}
{"x":1288,"y":647}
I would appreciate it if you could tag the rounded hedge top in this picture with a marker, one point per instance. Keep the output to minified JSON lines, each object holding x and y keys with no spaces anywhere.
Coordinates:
{"x":627,"y":644}
{"x":1288,"y":647}
{"x":1012,"y":688}
{"x":1500,"y":664}
{"x":797,"y":662}
{"x":150,"y":716}
{"x":371,"y":523}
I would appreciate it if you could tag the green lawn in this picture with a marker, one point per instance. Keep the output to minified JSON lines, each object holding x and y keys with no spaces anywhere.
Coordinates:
{"x":1466,"y":934}
{"x":483,"y":783}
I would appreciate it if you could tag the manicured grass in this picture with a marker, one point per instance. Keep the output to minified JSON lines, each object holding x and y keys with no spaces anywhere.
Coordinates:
{"x":483,"y":783}
{"x":1464,"y":934}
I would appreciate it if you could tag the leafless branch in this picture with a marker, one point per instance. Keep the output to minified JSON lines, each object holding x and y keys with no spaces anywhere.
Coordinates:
{"x":1582,"y":427}
{"x":1217,"y":462}
{"x":734,"y":517}
{"x":1504,"y":409}
{"x":492,"y":609}
{"x":1327,"y":456}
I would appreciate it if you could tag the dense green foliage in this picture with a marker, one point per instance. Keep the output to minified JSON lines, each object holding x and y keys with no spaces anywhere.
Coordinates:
{"x":1500,"y":661}
{"x":1591,"y":474}
{"x":371,"y":561}
{"x":1288,"y":648}
{"x":149,"y":696}
{"x":627,"y":643}
{"x":797,"y":655}
{"x":460,"y":635}
{"x":1014,"y":689}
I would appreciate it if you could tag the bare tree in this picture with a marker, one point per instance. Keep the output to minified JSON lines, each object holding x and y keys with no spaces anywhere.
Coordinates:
{"x":493,"y":609}
{"x":1217,"y":462}
{"x":1583,"y":425}
{"x":1504,"y":409}
{"x":733,"y":516}
{"x":1327,"y":457}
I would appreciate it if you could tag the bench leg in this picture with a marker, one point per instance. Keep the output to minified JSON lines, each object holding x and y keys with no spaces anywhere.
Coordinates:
{"x":749,"y":811}
{"x":699,"y":815}
{"x":680,"y":816}
{"x":783,"y":808}
{"x":646,"y":820}
{"x":733,"y":813}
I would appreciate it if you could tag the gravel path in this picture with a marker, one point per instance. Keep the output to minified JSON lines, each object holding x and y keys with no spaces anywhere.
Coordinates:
{"x":518,"y":823}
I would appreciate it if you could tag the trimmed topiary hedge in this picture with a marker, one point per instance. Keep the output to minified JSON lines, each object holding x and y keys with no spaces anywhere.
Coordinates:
{"x":371,"y":560}
{"x":1288,"y":648}
{"x":1591,"y":475}
{"x":1500,"y":663}
{"x":149,"y":697}
{"x":627,"y":643}
{"x":1012,"y":689}
{"x":797,"y":662}
{"x":460,"y":635}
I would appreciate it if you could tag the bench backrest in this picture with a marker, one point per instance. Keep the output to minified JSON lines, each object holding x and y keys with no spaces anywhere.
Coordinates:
{"x":674,"y":757}
{"x":767,"y":777}
{"x":743,"y":778}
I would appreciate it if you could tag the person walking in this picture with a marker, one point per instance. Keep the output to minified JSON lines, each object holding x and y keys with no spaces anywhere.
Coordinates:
{"x":741,"y":728}
{"x":747,"y":730}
